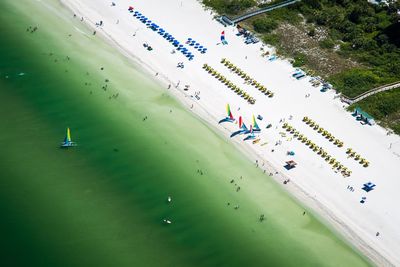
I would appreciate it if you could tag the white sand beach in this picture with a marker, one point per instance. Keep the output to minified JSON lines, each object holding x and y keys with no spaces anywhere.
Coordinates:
{"x":313,"y":181}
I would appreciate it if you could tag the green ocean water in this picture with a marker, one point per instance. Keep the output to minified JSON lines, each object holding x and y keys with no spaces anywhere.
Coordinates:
{"x":103,"y":202}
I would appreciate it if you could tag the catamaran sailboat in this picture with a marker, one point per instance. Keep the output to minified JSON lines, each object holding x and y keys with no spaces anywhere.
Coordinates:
{"x":67,"y":140}
{"x":228,"y":118}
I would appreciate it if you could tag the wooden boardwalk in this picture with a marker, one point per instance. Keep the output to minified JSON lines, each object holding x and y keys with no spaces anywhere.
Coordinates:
{"x":387,"y":87}
{"x":263,"y":10}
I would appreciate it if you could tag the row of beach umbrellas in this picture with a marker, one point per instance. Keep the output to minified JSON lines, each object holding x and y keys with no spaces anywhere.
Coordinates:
{"x":319,"y":150}
{"x":322,"y":131}
{"x":163,"y":33}
{"x":336,"y":141}
{"x":229,"y":84}
{"x":196,"y":45}
{"x":357,"y":157}
{"x":247,"y":78}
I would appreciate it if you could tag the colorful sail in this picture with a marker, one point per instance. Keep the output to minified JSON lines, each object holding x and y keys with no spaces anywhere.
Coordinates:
{"x":223,"y":38}
{"x":68,"y":136}
{"x":228,"y":110}
{"x":255,"y":125}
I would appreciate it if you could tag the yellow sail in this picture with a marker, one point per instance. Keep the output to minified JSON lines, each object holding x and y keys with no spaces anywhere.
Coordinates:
{"x":68,"y":135}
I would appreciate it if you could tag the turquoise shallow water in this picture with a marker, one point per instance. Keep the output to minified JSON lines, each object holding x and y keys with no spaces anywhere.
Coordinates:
{"x":103,"y":202}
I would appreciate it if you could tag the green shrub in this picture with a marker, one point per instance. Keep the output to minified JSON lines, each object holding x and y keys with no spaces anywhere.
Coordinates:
{"x":264,"y":25}
{"x":271,"y":39}
{"x":327,"y":43}
{"x":299,"y":60}
{"x":230,"y":7}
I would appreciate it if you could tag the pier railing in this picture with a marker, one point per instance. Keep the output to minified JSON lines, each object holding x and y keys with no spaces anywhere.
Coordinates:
{"x":387,"y":87}
{"x":263,"y":10}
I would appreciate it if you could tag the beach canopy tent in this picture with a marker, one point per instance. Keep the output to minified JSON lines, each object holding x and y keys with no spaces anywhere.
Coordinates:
{"x":290,"y":164}
{"x":368,"y":186}
{"x":364,"y":116}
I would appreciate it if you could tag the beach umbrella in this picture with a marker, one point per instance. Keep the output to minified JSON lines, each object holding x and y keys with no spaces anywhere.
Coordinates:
{"x":320,"y":130}
{"x":357,"y":157}
{"x":305,"y":118}
{"x":335,"y":164}
{"x":316,"y":127}
{"x":271,"y":94}
{"x":366,"y":164}
{"x":349,"y":150}
{"x":336,"y":141}
{"x":284,"y":125}
{"x":327,"y":158}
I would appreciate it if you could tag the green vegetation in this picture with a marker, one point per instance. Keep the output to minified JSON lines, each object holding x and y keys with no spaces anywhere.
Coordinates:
{"x":384,"y":107}
{"x":271,"y":39}
{"x":264,"y":25}
{"x":230,"y":7}
{"x":300,"y":59}
{"x":361,"y":28}
{"x":327,"y":43}
{"x":367,"y":34}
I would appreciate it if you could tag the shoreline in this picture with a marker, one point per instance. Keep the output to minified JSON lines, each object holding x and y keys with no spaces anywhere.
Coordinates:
{"x":333,"y":217}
